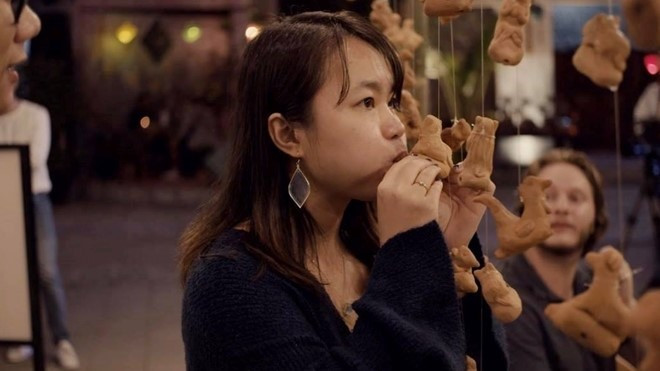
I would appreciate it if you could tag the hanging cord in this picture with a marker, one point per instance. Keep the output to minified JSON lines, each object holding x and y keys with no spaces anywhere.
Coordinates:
{"x":487,"y":239}
{"x":453,"y":69}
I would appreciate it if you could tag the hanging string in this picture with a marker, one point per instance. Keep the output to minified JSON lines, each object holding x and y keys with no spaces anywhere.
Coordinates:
{"x":453,"y":68}
{"x":487,"y":240}
{"x":618,"y":171}
{"x":518,"y":117}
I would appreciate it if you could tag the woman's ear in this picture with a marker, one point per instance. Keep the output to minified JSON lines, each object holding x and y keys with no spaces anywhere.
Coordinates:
{"x":284,"y":135}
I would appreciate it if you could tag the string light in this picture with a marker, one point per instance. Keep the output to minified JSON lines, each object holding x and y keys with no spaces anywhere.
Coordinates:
{"x":191,"y":34}
{"x":126,"y":33}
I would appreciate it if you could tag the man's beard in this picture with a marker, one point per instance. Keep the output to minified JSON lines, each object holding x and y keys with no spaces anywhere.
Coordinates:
{"x":566,"y":251}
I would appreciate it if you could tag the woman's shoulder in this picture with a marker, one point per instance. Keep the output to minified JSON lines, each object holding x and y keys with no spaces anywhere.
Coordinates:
{"x":226,"y":256}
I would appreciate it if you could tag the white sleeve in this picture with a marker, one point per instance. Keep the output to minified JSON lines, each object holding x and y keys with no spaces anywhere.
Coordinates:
{"x":40,"y":143}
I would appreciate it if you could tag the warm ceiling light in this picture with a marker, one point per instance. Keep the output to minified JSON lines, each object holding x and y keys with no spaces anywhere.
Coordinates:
{"x":252,"y":31}
{"x":191,"y":34}
{"x":652,"y":63}
{"x":126,"y":33}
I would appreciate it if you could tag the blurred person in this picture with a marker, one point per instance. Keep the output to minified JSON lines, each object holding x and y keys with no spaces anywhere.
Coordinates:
{"x":552,"y":271}
{"x":23,"y":122}
{"x":289,"y":266}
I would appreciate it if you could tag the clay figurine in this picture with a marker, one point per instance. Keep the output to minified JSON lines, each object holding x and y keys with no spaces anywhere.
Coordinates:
{"x":478,"y":164}
{"x":646,"y":324}
{"x":470,"y":363}
{"x":457,"y":134}
{"x":643,"y":22}
{"x":404,"y":37}
{"x":382,"y":15}
{"x":603,"y":52}
{"x":409,"y":115}
{"x":506,"y":47}
{"x":431,"y":146}
{"x":517,"y":234}
{"x":503,"y":300}
{"x":446,"y":8}
{"x":463,"y":261}
{"x":597,"y":318}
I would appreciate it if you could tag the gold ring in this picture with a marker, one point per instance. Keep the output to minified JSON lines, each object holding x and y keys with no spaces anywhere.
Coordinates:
{"x":419,"y":182}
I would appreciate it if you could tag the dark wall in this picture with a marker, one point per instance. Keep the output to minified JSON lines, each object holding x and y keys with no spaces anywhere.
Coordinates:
{"x":591,"y":107}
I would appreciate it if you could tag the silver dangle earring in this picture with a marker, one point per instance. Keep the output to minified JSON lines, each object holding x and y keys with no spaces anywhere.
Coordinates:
{"x":299,"y":188}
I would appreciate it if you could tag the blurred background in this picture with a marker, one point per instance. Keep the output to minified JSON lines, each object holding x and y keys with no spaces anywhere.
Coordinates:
{"x":140,"y":96}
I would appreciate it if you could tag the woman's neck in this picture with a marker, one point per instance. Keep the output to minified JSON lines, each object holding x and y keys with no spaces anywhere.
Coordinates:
{"x":556,"y":271}
{"x":327,"y":213}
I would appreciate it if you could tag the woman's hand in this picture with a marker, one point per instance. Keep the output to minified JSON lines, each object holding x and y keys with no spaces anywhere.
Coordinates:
{"x":407,"y":197}
{"x":458,"y":215}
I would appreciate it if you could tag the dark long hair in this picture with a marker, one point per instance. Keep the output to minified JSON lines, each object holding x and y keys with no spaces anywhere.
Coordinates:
{"x":282,"y":69}
{"x":579,"y":160}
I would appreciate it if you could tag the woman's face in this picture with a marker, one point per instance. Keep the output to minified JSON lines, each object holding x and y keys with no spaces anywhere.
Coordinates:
{"x":572,"y":206}
{"x":12,"y":48}
{"x":349,"y":147}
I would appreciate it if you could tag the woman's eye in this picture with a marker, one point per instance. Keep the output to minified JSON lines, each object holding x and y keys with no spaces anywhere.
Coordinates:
{"x":368,"y":102}
{"x":394,"y":104}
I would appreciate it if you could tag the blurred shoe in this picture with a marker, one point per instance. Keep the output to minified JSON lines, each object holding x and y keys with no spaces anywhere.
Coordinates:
{"x":66,"y":355}
{"x":19,"y":353}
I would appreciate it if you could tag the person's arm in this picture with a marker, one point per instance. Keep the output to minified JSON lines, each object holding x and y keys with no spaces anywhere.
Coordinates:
{"x":409,"y":317}
{"x":40,"y":142}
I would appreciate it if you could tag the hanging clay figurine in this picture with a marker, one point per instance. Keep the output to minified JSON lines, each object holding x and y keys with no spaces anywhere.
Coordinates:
{"x":382,"y":15}
{"x":646,"y":324}
{"x":404,"y":37}
{"x":409,"y":115}
{"x":517,"y":234}
{"x":643,"y":23}
{"x":478,"y":164}
{"x":431,"y":146}
{"x":506,"y":47}
{"x":597,"y":318}
{"x":463,"y":261}
{"x":470,"y":363}
{"x":603,"y":52}
{"x":457,"y":134}
{"x":446,"y":8}
{"x":503,"y":300}
{"x":406,"y":57}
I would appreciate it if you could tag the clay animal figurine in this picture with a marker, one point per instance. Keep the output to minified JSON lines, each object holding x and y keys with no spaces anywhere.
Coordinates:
{"x":431,"y":146}
{"x":503,"y":300}
{"x":603,"y":52}
{"x":463,"y":261}
{"x":409,"y":115}
{"x":404,"y":37}
{"x":446,"y":8}
{"x":506,"y":47}
{"x":643,"y":22}
{"x":597,"y":318}
{"x":478,"y":164}
{"x":646,"y":324}
{"x":457,"y":134}
{"x":517,"y":234}
{"x":470,"y":363}
{"x":382,"y":15}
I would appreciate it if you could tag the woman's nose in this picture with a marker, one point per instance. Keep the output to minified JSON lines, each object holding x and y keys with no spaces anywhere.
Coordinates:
{"x":29,"y":25}
{"x":392,"y":126}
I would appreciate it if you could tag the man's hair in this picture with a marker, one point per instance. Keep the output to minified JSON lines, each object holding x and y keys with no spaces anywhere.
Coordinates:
{"x":579,"y":160}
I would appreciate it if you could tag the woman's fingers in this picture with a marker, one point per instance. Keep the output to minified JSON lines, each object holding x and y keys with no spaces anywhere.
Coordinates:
{"x":427,"y":177}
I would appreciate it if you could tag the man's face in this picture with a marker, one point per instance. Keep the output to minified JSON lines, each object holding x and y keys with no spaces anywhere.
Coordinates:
{"x":572,"y":208}
{"x":13,"y":36}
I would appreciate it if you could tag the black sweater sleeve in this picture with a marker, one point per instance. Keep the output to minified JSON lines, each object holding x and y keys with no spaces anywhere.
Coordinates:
{"x":409,"y":316}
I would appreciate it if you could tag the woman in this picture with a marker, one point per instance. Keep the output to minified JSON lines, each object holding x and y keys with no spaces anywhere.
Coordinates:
{"x":289,"y":267}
